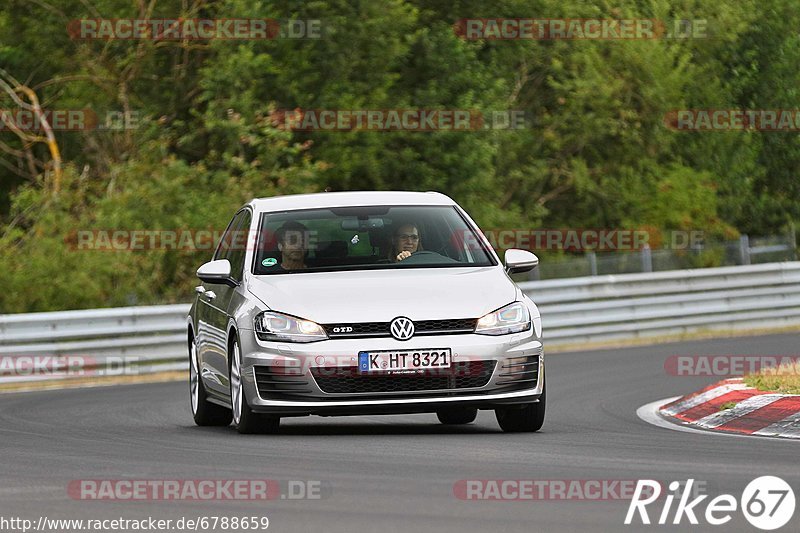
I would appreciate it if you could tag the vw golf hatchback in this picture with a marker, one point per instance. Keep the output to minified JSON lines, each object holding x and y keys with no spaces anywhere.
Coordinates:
{"x":359,"y":303}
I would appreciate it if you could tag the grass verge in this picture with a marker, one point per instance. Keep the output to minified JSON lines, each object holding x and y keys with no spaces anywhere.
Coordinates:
{"x":784,"y":379}
{"x":702,"y":334}
{"x":67,"y":383}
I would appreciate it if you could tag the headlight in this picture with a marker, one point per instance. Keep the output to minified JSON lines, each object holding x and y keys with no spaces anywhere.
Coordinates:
{"x":271,"y":326}
{"x":512,"y":318}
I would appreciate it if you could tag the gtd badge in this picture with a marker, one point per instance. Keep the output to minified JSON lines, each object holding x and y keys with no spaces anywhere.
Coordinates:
{"x":402,"y":328}
{"x":343,"y":329}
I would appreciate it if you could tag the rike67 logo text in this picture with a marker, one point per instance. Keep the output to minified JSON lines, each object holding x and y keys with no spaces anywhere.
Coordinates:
{"x":767,"y":502}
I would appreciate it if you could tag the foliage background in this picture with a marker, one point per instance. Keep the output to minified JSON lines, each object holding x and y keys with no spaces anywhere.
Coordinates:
{"x":597,"y":154}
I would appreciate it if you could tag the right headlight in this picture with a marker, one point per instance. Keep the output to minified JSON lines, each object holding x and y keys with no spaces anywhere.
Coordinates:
{"x":272,"y":326}
{"x":512,"y":318}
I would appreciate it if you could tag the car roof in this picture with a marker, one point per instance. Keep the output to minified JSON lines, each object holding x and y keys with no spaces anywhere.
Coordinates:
{"x":346,"y":199}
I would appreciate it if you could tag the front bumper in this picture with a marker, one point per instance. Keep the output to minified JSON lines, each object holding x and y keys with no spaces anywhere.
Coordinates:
{"x":294,"y":375}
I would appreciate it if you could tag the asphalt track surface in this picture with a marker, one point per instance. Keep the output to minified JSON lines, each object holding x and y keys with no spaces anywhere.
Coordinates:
{"x":392,"y":473}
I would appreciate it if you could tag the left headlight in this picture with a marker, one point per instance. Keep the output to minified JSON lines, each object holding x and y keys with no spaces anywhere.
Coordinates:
{"x":272,"y":326}
{"x":512,"y":318}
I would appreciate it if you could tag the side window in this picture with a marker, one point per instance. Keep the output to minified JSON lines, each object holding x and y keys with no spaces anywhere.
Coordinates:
{"x":224,"y":246}
{"x":239,"y":242}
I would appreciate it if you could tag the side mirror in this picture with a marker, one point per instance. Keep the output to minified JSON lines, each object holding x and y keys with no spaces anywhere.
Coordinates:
{"x":520,"y":261}
{"x":217,"y":272}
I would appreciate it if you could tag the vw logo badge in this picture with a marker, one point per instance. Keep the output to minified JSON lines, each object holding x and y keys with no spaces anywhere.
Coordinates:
{"x":402,"y":328}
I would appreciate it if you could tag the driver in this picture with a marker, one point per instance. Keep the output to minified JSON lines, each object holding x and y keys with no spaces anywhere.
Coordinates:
{"x":405,"y":241}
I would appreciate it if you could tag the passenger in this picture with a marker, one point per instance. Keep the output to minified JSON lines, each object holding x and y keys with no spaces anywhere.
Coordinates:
{"x":293,"y":244}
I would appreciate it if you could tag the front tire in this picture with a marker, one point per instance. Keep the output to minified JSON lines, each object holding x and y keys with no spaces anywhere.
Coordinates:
{"x":526,"y":419}
{"x":457,"y":415}
{"x":204,"y":412}
{"x":245,"y":420}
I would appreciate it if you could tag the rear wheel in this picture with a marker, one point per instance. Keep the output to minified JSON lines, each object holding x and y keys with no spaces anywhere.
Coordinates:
{"x":524,"y":419}
{"x":457,"y":415}
{"x":204,"y":412}
{"x":245,"y":420}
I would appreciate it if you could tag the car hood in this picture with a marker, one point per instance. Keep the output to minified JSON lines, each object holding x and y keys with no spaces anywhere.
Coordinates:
{"x":381,"y":295}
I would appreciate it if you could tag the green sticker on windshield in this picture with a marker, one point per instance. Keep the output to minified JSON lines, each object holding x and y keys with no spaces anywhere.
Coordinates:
{"x":270,"y":261}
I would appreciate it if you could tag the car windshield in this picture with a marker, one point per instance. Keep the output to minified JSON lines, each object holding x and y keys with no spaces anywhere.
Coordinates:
{"x":374,"y":237}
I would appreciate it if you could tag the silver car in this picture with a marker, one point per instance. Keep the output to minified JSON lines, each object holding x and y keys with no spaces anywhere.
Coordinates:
{"x":360,"y":303}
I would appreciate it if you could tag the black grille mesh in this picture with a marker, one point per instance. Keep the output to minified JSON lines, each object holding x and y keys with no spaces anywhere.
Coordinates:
{"x":282,"y":380}
{"x":421,"y":327}
{"x":521,"y":372}
{"x":348,"y":381}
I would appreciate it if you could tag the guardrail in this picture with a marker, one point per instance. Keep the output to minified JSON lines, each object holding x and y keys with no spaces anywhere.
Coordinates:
{"x":93,"y":342}
{"x":574,"y":311}
{"x":631,"y":306}
{"x":681,"y":251}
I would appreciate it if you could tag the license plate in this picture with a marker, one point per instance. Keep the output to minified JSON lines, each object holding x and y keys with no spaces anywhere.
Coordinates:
{"x":386,"y":361}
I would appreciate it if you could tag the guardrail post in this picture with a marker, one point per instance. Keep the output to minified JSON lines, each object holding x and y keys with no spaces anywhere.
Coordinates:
{"x":592,"y":257}
{"x":744,"y":249}
{"x":647,"y":259}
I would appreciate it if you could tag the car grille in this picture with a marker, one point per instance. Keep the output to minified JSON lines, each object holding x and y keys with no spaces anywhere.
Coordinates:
{"x":421,"y":327}
{"x":347,"y":380}
{"x":272,"y":380}
{"x":519,"y":372}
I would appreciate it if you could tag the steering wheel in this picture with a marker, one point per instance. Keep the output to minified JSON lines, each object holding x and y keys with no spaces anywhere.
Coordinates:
{"x":422,"y":257}
{"x":419,"y":254}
